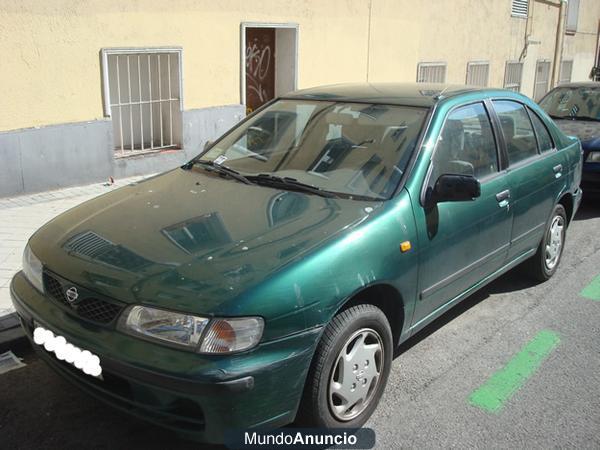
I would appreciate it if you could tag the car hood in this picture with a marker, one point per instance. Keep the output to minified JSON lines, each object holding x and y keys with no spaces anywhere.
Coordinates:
{"x":587,"y":131}
{"x":188,"y":239}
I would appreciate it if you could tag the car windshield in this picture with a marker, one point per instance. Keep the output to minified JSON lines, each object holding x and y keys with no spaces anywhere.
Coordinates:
{"x":349,"y":149}
{"x":573,"y":103}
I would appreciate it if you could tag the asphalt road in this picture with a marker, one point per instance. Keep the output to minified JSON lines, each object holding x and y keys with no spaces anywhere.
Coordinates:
{"x":426,"y":403}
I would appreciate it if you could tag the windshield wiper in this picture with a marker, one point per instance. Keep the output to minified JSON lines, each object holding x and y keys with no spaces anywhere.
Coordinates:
{"x":583,"y":118}
{"x":291,"y":183}
{"x":224,"y":170}
{"x":593,"y":119}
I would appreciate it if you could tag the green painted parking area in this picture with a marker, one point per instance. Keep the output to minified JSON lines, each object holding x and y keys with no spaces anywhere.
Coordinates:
{"x":592,"y":290}
{"x":505,"y":382}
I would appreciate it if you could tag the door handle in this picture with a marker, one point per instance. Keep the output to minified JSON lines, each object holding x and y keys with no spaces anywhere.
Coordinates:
{"x":504,"y":195}
{"x":557,"y":171}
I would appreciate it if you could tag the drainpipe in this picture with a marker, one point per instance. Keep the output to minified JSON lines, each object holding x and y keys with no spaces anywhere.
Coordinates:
{"x":558,"y":48}
{"x":528,"y":31}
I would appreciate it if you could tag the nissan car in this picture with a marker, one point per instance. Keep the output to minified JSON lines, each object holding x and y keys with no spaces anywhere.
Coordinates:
{"x":270,"y":279}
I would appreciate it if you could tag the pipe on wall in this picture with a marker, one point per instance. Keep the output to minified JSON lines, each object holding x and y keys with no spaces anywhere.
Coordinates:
{"x":558,"y":48}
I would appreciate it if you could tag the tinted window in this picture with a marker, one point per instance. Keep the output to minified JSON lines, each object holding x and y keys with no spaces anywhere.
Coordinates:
{"x":544,"y":139}
{"x":517,"y":130}
{"x":466,"y":144}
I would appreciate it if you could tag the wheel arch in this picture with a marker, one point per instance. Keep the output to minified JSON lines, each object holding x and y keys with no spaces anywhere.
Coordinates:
{"x":384,"y":296}
{"x":566,"y":200}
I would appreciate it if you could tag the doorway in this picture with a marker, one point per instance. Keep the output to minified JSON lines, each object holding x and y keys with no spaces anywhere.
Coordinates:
{"x":269,"y":62}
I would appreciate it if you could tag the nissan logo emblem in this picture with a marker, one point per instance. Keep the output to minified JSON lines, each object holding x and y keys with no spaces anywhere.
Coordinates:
{"x":72,"y":294}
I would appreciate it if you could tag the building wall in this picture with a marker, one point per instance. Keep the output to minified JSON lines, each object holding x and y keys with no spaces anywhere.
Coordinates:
{"x":581,"y":47}
{"x":52,"y":76}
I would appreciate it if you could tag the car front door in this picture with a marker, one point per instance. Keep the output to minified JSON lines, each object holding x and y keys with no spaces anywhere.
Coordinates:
{"x":462,"y":242}
{"x":535,"y":173}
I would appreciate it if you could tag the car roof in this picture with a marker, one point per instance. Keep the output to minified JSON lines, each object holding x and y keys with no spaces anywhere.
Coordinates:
{"x":408,"y":94}
{"x":579,"y":84}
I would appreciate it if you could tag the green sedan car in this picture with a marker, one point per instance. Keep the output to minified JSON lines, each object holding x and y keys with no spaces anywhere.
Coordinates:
{"x":270,"y":279}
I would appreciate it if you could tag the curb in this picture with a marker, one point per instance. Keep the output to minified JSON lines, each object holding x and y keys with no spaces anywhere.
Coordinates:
{"x":10,"y":330}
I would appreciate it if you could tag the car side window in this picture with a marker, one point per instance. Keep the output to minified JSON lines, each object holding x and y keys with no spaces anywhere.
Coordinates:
{"x":543,"y":136}
{"x":466,"y":145}
{"x":517,"y":130}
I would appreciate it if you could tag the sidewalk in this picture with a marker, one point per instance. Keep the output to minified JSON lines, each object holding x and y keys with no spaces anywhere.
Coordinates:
{"x":21,"y":216}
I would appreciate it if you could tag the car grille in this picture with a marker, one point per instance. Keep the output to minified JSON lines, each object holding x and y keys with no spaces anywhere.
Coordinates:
{"x":88,"y":306}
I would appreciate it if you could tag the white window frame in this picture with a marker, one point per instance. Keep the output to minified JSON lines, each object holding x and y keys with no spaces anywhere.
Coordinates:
{"x":536,"y":81}
{"x":561,"y":78}
{"x":516,"y":7}
{"x":572,"y":19}
{"x":432,"y":64}
{"x":105,"y":52}
{"x":472,"y":64}
{"x":122,"y":150}
{"x":510,"y":86}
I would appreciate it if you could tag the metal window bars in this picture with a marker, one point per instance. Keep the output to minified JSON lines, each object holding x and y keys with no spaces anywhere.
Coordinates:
{"x":566,"y":69}
{"x":542,"y":77}
{"x":144,"y":91}
{"x":478,"y":73}
{"x":431,"y":73}
{"x":513,"y":75}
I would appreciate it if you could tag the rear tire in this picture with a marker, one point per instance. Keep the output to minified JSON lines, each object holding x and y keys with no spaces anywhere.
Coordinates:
{"x":349,"y":370}
{"x":543,"y":265}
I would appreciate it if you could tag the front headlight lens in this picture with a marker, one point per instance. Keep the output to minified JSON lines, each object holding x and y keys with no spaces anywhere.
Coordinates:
{"x":196,"y":333}
{"x":176,"y":328}
{"x":32,"y":268}
{"x":593,"y":157}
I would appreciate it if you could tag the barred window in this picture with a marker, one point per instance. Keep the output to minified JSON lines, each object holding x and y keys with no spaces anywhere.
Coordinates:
{"x":431,"y":72}
{"x":542,"y":77}
{"x":513,"y":75}
{"x":142,"y":95}
{"x":478,"y":73}
{"x":519,"y":8}
{"x":566,"y":69}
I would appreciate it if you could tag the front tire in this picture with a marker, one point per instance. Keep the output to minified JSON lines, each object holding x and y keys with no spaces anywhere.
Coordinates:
{"x":543,"y":265}
{"x":349,"y":370}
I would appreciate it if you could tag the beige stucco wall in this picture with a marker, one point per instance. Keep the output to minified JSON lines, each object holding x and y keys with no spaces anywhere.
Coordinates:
{"x":51,"y":73}
{"x":581,"y":47}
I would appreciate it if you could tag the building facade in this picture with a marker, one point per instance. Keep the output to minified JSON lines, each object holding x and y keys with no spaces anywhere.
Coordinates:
{"x":93,"y":89}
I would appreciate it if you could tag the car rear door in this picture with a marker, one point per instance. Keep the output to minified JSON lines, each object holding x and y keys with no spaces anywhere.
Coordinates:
{"x":535,"y":172}
{"x":462,"y":242}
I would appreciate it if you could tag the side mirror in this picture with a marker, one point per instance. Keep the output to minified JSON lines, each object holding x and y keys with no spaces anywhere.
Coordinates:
{"x":454,"y":188}
{"x":207,"y":144}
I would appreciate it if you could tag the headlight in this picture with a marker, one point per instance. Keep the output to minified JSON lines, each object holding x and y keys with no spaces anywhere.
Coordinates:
{"x":32,"y":268}
{"x":164,"y":325}
{"x":593,"y":157}
{"x":196,"y":333}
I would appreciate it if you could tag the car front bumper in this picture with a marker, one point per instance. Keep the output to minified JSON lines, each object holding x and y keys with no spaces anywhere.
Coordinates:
{"x":590,"y":182}
{"x":590,"y":178}
{"x":199,"y":396}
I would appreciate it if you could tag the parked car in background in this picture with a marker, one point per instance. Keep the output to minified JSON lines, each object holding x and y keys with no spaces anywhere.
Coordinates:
{"x":272,"y":277}
{"x":575,"y":107}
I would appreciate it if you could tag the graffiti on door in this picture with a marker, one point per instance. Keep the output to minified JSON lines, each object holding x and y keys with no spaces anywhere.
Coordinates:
{"x":260,"y":67}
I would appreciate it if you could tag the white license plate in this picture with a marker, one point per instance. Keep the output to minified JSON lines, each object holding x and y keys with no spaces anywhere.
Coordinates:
{"x":83,"y":360}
